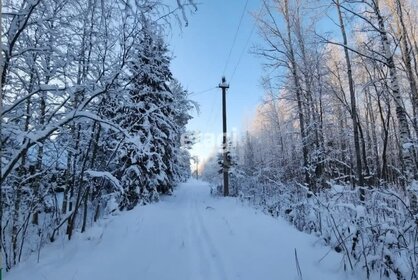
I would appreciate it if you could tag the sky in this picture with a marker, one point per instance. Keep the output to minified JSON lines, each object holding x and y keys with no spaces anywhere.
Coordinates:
{"x":201,"y":52}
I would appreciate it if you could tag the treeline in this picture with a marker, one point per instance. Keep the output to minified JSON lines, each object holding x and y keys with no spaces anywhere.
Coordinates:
{"x":333,"y":148}
{"x":91,"y":117}
{"x":346,"y":100}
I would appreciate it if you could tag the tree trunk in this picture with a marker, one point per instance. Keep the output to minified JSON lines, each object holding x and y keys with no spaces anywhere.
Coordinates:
{"x":354,"y":116}
{"x":298,"y":90}
{"x":406,"y":53}
{"x":404,"y":132}
{"x":39,"y":160}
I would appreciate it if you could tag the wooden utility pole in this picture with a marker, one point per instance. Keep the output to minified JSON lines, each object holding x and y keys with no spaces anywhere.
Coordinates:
{"x":223,"y":85}
{"x":197,"y":168}
{"x":196,"y":161}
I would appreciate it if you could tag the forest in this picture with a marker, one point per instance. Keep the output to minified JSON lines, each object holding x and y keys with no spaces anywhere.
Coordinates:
{"x":91,"y":115}
{"x":95,"y":127}
{"x":333,"y":146}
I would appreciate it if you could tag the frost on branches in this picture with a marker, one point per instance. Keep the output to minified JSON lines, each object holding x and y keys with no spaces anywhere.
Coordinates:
{"x":91,"y":115}
{"x":333,"y":148}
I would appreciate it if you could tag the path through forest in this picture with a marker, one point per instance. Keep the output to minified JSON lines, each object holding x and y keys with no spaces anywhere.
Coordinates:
{"x":189,"y":235}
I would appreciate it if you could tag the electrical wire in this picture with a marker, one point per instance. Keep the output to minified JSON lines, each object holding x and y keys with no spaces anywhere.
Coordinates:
{"x":203,"y":91}
{"x":242,"y":53}
{"x":246,"y":44}
{"x":235,"y":36}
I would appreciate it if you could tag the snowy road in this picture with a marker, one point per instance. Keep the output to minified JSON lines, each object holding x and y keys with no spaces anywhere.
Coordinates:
{"x":189,"y":235}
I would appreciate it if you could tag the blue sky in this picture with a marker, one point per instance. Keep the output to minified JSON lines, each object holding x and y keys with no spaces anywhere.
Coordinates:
{"x":201,"y":51}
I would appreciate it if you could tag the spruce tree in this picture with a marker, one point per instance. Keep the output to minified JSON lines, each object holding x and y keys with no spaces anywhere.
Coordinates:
{"x":148,"y":118}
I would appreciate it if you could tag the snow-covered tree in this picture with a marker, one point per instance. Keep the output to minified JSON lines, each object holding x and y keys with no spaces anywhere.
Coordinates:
{"x":332,"y":148}
{"x":68,"y":70}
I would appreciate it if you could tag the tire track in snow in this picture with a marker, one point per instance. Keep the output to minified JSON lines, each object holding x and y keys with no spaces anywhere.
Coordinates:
{"x":202,"y":268}
{"x":207,"y":241}
{"x":191,"y":244}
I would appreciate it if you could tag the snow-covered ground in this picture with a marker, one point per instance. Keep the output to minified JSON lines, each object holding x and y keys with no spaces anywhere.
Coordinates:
{"x":190,"y":235}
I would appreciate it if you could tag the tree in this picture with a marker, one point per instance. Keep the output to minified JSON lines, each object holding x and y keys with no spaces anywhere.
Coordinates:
{"x":64,"y":63}
{"x":353,"y":101}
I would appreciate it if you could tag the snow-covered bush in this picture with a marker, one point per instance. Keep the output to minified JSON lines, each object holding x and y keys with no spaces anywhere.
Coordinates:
{"x":378,"y":234}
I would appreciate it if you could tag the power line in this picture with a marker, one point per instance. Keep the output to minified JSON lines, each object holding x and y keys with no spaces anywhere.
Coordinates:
{"x":246,"y":44}
{"x":213,"y":118}
{"x":210,"y":115}
{"x":242,"y":53}
{"x":203,"y":91}
{"x":235,"y":36}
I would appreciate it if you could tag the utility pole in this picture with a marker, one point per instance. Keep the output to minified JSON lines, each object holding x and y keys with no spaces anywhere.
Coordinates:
{"x":223,"y":85}
{"x":196,"y":161}
{"x":197,"y":168}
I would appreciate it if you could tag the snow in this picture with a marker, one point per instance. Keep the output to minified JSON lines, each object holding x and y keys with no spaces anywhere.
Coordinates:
{"x":103,"y":174}
{"x":407,"y":146}
{"x":189,"y":235}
